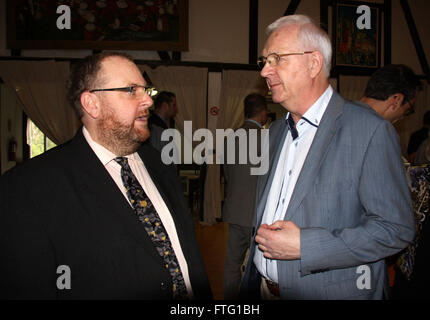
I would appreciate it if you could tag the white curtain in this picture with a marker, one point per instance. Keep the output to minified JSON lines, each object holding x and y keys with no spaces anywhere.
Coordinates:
{"x":352,"y":87}
{"x":40,"y":88}
{"x":236,"y":85}
{"x":189,"y":84}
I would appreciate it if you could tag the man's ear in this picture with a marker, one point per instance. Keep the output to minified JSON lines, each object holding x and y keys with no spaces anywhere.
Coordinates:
{"x":396,"y":100}
{"x":91,"y":104}
{"x":316,"y":63}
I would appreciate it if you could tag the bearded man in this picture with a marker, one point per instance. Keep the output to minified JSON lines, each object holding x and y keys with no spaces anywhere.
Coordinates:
{"x":100,"y":217}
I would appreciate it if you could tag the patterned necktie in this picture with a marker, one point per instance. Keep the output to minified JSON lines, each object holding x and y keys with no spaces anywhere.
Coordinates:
{"x":148,"y":216}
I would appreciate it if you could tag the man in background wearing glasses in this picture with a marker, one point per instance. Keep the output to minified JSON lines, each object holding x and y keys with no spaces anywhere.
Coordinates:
{"x":110,"y":221}
{"x":391,"y":91}
{"x":335,"y":201}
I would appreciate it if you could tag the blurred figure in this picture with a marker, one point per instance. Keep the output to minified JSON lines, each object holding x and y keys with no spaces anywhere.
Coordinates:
{"x":391,"y":92}
{"x":423,"y":153}
{"x":238,"y":210}
{"x":417,"y":138}
{"x":165,"y":109}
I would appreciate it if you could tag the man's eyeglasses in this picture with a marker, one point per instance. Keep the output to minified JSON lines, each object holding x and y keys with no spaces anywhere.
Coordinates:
{"x":274,"y":58}
{"x":132,"y":90}
{"x":410,"y":110}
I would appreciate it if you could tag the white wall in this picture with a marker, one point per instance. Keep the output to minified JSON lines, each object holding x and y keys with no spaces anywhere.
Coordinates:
{"x":219,"y":31}
{"x":403,"y":50}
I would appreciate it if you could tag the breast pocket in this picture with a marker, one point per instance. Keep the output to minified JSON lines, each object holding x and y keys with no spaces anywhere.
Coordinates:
{"x":333,"y":185}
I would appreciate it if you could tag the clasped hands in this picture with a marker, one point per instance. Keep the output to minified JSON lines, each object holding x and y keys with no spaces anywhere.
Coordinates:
{"x":280,"y":241}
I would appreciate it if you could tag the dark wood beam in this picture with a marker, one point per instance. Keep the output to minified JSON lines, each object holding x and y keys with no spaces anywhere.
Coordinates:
{"x":292,"y":7}
{"x":387,"y":31}
{"x":147,"y":79}
{"x":164,"y":55}
{"x":324,"y":14}
{"x":15,"y":52}
{"x":253,"y":31}
{"x":416,"y":38}
{"x":25,"y":146}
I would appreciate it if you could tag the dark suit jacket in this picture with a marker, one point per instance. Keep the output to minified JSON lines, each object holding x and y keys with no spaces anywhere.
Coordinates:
{"x":351,"y":203}
{"x":155,"y":120}
{"x":241,"y":185}
{"x":63,"y":208}
{"x":156,"y":126}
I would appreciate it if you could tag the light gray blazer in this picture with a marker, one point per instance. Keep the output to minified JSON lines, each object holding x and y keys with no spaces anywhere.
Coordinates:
{"x":351,"y":202}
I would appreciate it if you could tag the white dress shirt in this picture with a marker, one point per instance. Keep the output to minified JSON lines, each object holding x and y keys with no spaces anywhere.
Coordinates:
{"x":138,"y":167}
{"x":290,"y":163}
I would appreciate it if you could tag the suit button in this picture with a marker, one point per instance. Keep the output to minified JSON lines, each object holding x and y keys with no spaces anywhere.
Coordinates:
{"x":163,"y":286}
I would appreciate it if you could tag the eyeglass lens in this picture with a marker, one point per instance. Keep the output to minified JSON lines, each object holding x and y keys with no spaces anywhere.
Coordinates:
{"x":272,"y":59}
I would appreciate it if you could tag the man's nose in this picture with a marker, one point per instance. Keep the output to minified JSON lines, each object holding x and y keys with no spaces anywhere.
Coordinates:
{"x":145,"y":99}
{"x":266,"y":70}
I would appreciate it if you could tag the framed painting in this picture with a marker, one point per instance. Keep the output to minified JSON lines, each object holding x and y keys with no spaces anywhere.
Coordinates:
{"x":160,"y":25}
{"x":357,"y":47}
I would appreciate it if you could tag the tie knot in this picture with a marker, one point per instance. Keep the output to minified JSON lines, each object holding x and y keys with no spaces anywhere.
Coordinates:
{"x":122,"y":161}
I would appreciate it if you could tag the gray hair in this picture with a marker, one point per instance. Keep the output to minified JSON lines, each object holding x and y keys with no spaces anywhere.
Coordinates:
{"x":310,"y":35}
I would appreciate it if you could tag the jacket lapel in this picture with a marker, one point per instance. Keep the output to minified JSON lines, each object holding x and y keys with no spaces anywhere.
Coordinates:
{"x":168,"y":189}
{"x":101,"y":196}
{"x":317,"y":153}
{"x":155,"y":173}
{"x":265,"y":182}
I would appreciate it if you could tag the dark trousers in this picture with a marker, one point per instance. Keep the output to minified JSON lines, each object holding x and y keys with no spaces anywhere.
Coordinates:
{"x":237,"y":244}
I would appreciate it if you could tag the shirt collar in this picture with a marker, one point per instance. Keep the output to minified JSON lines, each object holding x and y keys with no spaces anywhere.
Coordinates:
{"x":256,"y":122}
{"x":104,"y":155}
{"x":315,"y":113}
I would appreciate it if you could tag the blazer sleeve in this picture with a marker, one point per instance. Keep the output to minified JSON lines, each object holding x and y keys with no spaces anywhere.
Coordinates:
{"x":386,"y":222}
{"x":26,"y":254}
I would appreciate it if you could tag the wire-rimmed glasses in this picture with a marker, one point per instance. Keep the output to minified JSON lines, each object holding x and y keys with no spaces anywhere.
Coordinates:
{"x":273,"y":58}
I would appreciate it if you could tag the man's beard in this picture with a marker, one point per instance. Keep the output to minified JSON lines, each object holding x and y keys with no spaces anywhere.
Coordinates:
{"x":120,"y":138}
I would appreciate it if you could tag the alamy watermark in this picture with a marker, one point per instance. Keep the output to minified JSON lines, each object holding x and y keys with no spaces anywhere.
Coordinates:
{"x":65,"y":278}
{"x":230,"y":147}
{"x":364,"y":21}
{"x":364,"y":280}
{"x":64,"y":20}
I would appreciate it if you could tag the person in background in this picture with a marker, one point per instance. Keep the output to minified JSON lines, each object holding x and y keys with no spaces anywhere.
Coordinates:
{"x":100,"y":217}
{"x":418,"y":137}
{"x":391,"y":92}
{"x":422,"y":155}
{"x":238,"y":209}
{"x":165,"y":108}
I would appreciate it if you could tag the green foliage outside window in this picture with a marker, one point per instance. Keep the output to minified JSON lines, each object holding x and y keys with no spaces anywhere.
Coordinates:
{"x":38,"y":142}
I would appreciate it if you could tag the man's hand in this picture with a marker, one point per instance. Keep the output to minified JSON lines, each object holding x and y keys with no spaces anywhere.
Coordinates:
{"x":280,"y":240}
